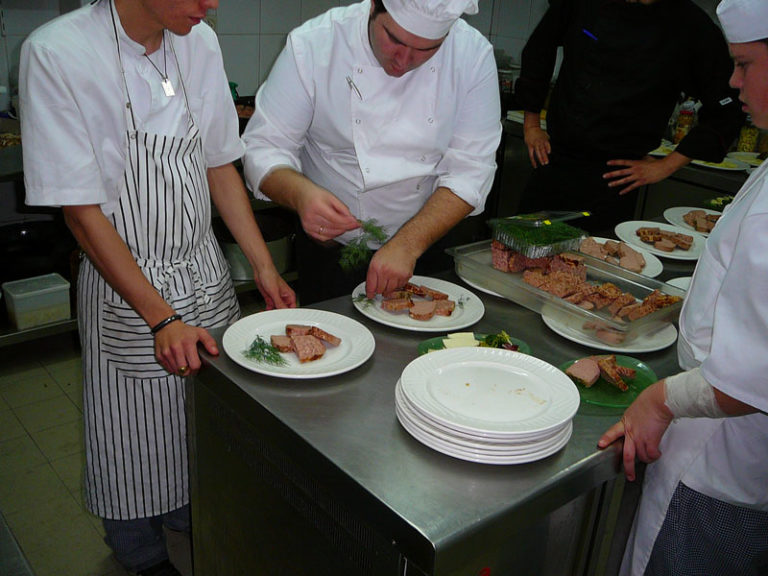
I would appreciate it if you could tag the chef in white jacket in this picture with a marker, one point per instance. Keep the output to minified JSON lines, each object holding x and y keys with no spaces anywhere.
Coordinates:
{"x":385,"y":110}
{"x":704,"y":507}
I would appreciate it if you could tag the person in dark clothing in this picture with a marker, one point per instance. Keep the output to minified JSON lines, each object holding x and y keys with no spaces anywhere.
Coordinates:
{"x":624,"y":67}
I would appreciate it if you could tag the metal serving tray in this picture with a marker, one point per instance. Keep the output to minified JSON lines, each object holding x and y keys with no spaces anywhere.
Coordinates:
{"x":473,"y":263}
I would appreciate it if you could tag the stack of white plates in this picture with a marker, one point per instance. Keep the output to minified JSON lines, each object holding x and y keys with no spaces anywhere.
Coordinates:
{"x":487,"y":405}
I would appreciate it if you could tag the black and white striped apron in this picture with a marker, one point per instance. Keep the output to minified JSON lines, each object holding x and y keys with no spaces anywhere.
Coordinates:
{"x":135,"y":429}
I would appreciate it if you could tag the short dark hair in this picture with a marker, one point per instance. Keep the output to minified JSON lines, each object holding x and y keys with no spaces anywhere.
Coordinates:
{"x":378,"y":8}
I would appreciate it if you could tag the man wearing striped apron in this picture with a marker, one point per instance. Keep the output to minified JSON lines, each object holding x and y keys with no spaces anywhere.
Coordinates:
{"x":129,"y":125}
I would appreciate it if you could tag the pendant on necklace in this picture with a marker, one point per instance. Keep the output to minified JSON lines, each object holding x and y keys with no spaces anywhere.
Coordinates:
{"x":168,"y":87}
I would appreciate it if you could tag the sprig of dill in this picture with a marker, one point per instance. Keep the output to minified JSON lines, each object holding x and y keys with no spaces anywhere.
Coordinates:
{"x":363,"y":300}
{"x":262,"y":351}
{"x":357,"y":253}
{"x":556,"y":232}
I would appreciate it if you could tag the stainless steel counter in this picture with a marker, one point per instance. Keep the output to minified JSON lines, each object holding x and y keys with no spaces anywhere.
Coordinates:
{"x":332,"y":452}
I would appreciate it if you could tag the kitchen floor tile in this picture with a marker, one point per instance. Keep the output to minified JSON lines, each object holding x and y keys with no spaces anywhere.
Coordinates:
{"x":70,"y":470}
{"x":17,"y":456}
{"x":34,"y":490}
{"x":35,"y":385}
{"x":60,"y":441}
{"x":3,"y":404}
{"x":10,"y":427}
{"x":47,"y":413}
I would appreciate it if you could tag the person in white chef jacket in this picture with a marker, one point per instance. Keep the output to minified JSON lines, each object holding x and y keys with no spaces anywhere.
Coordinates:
{"x":128,"y":124}
{"x":385,"y":110}
{"x":704,"y":505}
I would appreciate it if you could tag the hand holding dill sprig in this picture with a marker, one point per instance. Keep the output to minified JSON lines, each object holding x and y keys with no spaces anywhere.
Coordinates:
{"x":357,"y":254}
{"x":262,"y":351}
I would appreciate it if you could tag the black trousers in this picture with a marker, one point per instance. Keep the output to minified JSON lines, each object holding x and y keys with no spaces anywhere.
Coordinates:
{"x":568,"y":183}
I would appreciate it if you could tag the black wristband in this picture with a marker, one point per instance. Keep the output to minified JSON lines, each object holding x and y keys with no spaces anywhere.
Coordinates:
{"x":163,"y":323}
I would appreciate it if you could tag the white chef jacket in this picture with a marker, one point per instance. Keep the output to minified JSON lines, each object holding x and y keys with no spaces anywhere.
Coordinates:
{"x":75,"y":148}
{"x":724,"y":329}
{"x":381,"y":144}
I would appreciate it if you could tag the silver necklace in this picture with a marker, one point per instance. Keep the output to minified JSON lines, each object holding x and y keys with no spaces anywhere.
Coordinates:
{"x":167,"y":86}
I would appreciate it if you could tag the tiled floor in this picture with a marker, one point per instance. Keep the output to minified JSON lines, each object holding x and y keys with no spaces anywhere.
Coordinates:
{"x":42,"y":459}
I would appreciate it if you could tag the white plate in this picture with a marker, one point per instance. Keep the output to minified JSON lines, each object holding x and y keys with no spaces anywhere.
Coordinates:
{"x":627,"y":232}
{"x":478,"y":456}
{"x":664,"y":149}
{"x":675,"y":215}
{"x":682,"y":282}
{"x":469,"y":308}
{"x":357,"y":343}
{"x":653,"y":266}
{"x":570,"y":328}
{"x":488,"y":390}
{"x":728,"y":164}
{"x":751,"y":158}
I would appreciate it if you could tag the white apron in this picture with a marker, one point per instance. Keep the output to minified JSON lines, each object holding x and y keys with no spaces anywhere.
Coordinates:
{"x":720,"y":458}
{"x":135,"y":428}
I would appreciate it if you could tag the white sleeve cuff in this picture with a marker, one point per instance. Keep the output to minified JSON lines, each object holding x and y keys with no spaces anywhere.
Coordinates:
{"x":689,"y":395}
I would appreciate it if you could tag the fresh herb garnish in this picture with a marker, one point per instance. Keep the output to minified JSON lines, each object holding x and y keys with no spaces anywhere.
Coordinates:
{"x":463,"y":299}
{"x":357,"y":254}
{"x":500,"y":340}
{"x":363,"y":300}
{"x":544,"y":235}
{"x":262,"y":351}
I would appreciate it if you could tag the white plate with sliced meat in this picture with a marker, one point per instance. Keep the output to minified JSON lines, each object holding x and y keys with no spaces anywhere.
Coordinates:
{"x":572,"y":328}
{"x":354,"y":346}
{"x":424,"y":313}
{"x":677,"y":217}
{"x":627,"y":231}
{"x":653,"y":266}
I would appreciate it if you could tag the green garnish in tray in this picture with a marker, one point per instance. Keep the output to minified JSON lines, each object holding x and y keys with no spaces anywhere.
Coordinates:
{"x":363,"y":300}
{"x":536,"y":235}
{"x":719,"y":203}
{"x":357,"y":253}
{"x":262,"y":351}
{"x":500,"y":340}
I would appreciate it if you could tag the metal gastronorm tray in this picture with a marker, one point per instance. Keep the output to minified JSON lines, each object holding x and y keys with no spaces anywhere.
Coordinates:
{"x":473,"y":263}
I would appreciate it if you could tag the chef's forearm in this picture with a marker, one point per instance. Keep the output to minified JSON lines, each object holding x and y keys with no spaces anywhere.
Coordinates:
{"x":114,"y":261}
{"x":231,"y":199}
{"x":442,"y":211}
{"x":286,"y":186}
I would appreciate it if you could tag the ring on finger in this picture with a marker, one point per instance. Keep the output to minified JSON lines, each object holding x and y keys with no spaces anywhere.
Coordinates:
{"x":183,"y":370}
{"x":321,"y":229}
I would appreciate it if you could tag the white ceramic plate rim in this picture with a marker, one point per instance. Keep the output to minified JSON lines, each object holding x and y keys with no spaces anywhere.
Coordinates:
{"x":469,"y":308}
{"x":357,"y":342}
{"x":474,"y":456}
{"x":657,"y":340}
{"x":739,"y":165}
{"x":675,"y":215}
{"x":626,"y":231}
{"x":560,"y":407}
{"x":653,"y":266}
{"x":682,"y":282}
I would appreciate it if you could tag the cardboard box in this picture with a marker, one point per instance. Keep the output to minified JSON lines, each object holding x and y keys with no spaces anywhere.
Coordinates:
{"x":36,"y":301}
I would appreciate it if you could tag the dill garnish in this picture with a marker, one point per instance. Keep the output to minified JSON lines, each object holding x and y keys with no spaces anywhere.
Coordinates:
{"x":555,"y":232}
{"x":463,"y":299}
{"x":357,"y":253}
{"x":363,"y":300}
{"x":262,"y":351}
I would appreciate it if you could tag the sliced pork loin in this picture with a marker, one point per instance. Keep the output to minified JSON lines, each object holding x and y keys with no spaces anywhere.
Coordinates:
{"x":584,"y":371}
{"x":610,"y":371}
{"x":445,"y":307}
{"x":281,"y":342}
{"x":325,"y":336}
{"x":297,"y":329}
{"x":396,"y":304}
{"x":307,"y":347}
{"x":423,"y":309}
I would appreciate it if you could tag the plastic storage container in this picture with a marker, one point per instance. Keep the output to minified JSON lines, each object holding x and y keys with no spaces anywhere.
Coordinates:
{"x":36,"y":301}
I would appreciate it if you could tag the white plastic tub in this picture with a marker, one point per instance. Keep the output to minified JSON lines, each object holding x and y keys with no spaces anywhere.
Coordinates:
{"x":36,"y":301}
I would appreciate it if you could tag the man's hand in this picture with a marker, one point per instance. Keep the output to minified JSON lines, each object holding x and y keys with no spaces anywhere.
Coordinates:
{"x":642,"y":426}
{"x":648,"y":170}
{"x":323,"y":216}
{"x":390,"y":268}
{"x":539,"y":148}
{"x":275,"y":290}
{"x":176,"y":347}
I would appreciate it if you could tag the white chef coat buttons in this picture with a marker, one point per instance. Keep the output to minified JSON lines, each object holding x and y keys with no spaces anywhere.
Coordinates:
{"x":432,"y":69}
{"x":423,"y":158}
{"x":357,"y":120}
{"x":359,"y":70}
{"x":430,"y":120}
{"x":367,"y":170}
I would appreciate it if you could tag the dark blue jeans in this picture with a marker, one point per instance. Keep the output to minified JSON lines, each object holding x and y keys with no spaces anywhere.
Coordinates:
{"x":140,"y":543}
